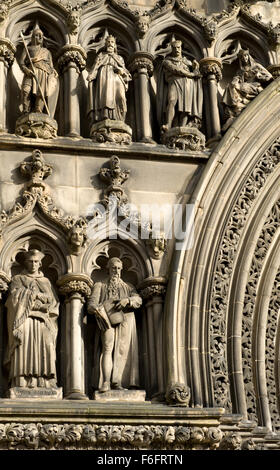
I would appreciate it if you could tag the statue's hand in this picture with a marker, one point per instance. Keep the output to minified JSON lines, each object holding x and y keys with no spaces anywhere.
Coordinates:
{"x":122,"y":303}
{"x":28,"y":72}
{"x":42,"y":297}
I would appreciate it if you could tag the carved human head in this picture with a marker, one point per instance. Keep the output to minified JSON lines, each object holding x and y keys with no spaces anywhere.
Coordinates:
{"x":33,"y":260}
{"x":115,"y":267}
{"x":110,"y":42}
{"x":77,"y":236}
{"x":37,"y":35}
{"x":176,"y":47}
{"x":244,"y":56}
{"x":143,"y":23}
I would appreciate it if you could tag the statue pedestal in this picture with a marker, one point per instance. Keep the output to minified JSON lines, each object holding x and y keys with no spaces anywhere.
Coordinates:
{"x":120,"y":395}
{"x":184,"y":138}
{"x":42,"y":393}
{"x":38,"y":125}
{"x":109,"y":130}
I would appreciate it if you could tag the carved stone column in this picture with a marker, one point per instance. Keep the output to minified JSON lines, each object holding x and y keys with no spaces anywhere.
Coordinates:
{"x":211,"y":70}
{"x":76,"y":287}
{"x":4,"y":285}
{"x":141,"y":67}
{"x":7,"y":54}
{"x":152,"y":290}
{"x":71,"y":62}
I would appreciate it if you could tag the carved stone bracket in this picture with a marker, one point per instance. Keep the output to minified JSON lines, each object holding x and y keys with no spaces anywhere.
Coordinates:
{"x":36,"y":125}
{"x":184,"y":138}
{"x":72,"y":55}
{"x":7,"y":51}
{"x":153,"y":287}
{"x":178,"y":395}
{"x":111,"y":131}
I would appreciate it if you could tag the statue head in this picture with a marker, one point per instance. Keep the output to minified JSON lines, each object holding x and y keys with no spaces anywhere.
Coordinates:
{"x":176,"y":46}
{"x":110,"y":43}
{"x":244,"y":56}
{"x":77,"y":236}
{"x":33,"y":261}
{"x":115,"y":267}
{"x":37,"y":36}
{"x":142,"y":24}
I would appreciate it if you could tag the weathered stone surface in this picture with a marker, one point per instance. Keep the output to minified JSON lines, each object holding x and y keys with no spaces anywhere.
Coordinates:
{"x":120,"y":395}
{"x":40,"y":393}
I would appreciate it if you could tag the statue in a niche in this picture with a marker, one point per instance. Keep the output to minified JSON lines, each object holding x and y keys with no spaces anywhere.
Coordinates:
{"x":249,"y":80}
{"x":108,"y":84}
{"x":39,"y":89}
{"x":32,"y":311}
{"x":180,"y":99}
{"x":113,"y":303}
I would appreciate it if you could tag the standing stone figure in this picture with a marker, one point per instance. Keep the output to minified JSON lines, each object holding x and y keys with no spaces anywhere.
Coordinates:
{"x":32,"y":314}
{"x":108,"y":82}
{"x":247,"y":83}
{"x":183,"y":98}
{"x":113,"y":302}
{"x":36,"y":80}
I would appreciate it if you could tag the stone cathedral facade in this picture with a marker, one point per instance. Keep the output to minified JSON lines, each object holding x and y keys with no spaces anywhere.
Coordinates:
{"x":140,"y":210}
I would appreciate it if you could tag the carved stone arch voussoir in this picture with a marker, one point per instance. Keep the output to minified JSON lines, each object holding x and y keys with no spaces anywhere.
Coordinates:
{"x":220,"y":215}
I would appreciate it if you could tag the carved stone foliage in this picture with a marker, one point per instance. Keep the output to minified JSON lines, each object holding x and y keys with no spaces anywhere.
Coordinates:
{"x":98,"y":436}
{"x":114,"y":177}
{"x":270,"y":226}
{"x":36,"y":193}
{"x":224,"y":267}
{"x":7,"y":51}
{"x":178,"y":395}
{"x":72,"y":54}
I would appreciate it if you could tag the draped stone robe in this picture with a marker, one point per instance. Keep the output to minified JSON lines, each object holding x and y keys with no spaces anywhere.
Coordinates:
{"x":43,"y":67}
{"x":125,"y":354}
{"x":32,"y":328}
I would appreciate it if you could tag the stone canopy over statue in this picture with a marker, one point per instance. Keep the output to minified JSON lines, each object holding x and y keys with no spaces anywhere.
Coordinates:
{"x":180,"y":100}
{"x":249,"y":80}
{"x":113,"y":303}
{"x":39,"y":89}
{"x":32,"y":311}
{"x":108,"y":84}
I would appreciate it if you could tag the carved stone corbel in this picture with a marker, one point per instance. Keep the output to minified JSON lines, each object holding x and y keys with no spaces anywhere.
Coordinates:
{"x":76,"y":288}
{"x":178,"y":395}
{"x":72,"y":62}
{"x":211,"y":69}
{"x":141,"y":67}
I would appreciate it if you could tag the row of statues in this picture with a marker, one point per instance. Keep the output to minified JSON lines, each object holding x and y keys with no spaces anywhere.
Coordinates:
{"x":32,"y":312}
{"x":179,"y":90}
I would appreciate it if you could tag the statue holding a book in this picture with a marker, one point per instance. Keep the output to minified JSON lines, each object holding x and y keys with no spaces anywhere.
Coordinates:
{"x":113,"y":302}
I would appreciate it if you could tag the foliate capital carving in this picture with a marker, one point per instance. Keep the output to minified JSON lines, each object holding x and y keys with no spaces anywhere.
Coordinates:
{"x":7,"y":50}
{"x":75,"y":284}
{"x":142,"y":62}
{"x":74,"y":55}
{"x":178,"y":394}
{"x":211,"y":66}
{"x":114,"y":177}
{"x":153,"y":287}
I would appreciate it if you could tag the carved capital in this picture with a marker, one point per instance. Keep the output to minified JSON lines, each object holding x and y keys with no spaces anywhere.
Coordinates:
{"x":75,"y":284}
{"x":211,"y":66}
{"x":178,"y":395}
{"x":153,"y":287}
{"x":7,"y":51}
{"x":141,"y":62}
{"x":73,"y":55}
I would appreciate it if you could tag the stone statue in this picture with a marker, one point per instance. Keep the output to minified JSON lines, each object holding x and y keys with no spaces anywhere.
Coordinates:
{"x":112,"y":302}
{"x":32,"y":311}
{"x":183,"y":99}
{"x":108,"y":83}
{"x":39,"y":89}
{"x":180,"y":99}
{"x":247,"y":83}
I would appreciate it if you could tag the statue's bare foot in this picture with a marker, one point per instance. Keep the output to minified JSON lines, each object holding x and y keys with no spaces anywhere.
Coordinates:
{"x":105,"y":387}
{"x":118,"y":387}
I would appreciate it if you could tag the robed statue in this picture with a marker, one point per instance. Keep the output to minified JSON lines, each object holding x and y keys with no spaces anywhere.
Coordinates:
{"x":108,"y":83}
{"x":113,"y":302}
{"x":32,"y":311}
{"x":180,"y":96}
{"x":249,"y":80}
